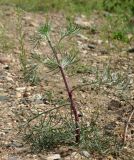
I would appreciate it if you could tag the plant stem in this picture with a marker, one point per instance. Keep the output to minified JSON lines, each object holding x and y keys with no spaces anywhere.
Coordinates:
{"x":126,"y":127}
{"x":69,"y":91}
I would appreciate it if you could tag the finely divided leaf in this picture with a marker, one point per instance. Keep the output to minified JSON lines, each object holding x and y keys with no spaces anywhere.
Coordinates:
{"x":68,"y":60}
{"x":44,"y":30}
{"x":51,"y":63}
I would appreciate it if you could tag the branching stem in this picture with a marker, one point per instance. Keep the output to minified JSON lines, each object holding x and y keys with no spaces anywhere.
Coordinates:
{"x":69,"y":91}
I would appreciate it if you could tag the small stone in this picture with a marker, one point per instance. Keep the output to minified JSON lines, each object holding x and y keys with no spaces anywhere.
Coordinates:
{"x":91,"y":46}
{"x":20,"y":89}
{"x":85,"y":154}
{"x":10,"y":79}
{"x":64,"y":151}
{"x":54,"y":157}
{"x":37,"y":98}
{"x":131,"y":50}
{"x":100,"y":41}
{"x":67,"y":158}
{"x":27,"y":18}
{"x":109,"y":128}
{"x":3,"y":98}
{"x":104,"y":52}
{"x":17,"y":144}
{"x":83,"y":37}
{"x":14,"y":144}
{"x":130,"y":36}
{"x":2,"y":134}
{"x":75,"y":156}
{"x":114,"y":104}
{"x":33,"y":24}
{"x":6,"y":67}
{"x":5,"y":60}
{"x":22,"y":150}
{"x":13,"y":158}
{"x":83,"y":23}
{"x":16,"y":51}
{"x":18,"y":95}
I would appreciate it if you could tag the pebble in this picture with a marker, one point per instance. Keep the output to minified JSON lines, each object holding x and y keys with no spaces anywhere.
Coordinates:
{"x":5,"y":60}
{"x":6,"y":67}
{"x":14,"y":144}
{"x":10,"y":79}
{"x":91,"y":46}
{"x":20,"y":89}
{"x":76,"y":156}
{"x":54,"y":157}
{"x":109,"y":128}
{"x":82,"y":37}
{"x":103,"y":52}
{"x":114,"y":104}
{"x":131,"y":50}
{"x":33,"y":24}
{"x":83,"y":23}
{"x":85,"y":154}
{"x":3,"y":98}
{"x":22,"y":150}
{"x":13,"y":158}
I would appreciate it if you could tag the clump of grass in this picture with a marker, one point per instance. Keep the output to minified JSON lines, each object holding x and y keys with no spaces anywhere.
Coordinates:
{"x":94,"y":139}
{"x":29,"y":69}
{"x":52,"y":130}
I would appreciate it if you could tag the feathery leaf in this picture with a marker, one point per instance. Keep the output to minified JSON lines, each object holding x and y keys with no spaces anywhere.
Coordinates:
{"x":69,"y":59}
{"x":44,"y":30}
{"x":70,"y":30}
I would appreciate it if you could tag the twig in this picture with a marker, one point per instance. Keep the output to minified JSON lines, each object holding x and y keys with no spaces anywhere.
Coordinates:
{"x":129,"y":118}
{"x":126,"y":127}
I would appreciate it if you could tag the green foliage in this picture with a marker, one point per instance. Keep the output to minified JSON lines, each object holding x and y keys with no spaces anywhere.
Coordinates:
{"x":30,"y":74}
{"x":119,"y":35}
{"x":70,"y":6}
{"x":119,"y":6}
{"x":55,"y":128}
{"x":74,"y":6}
{"x":70,"y":30}
{"x":94,"y":140}
{"x":52,"y":131}
{"x":44,"y":30}
{"x":118,"y":27}
{"x":80,"y":69}
{"x":69,"y":59}
{"x":50,"y":61}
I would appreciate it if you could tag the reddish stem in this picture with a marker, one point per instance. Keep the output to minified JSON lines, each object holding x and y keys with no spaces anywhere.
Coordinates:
{"x":69,"y":91}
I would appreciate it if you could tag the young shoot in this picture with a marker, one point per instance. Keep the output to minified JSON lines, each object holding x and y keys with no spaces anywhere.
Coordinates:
{"x":66,"y":59}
